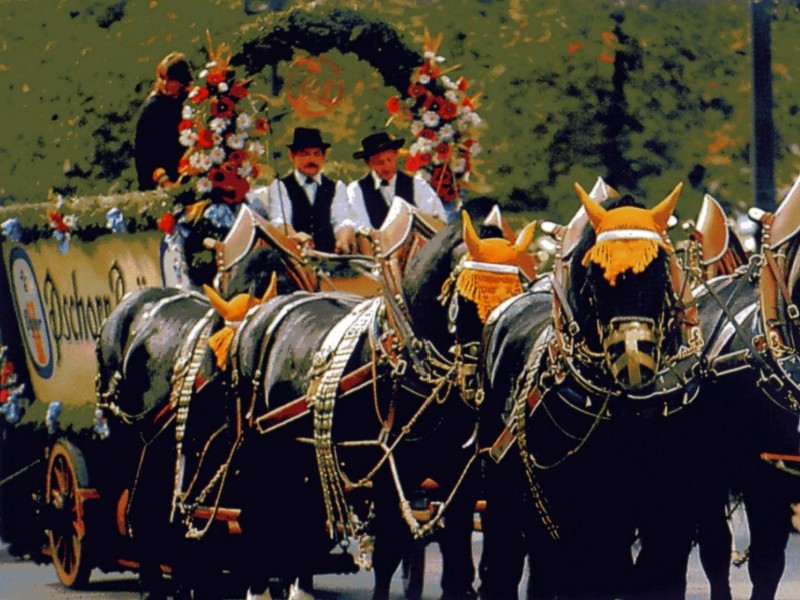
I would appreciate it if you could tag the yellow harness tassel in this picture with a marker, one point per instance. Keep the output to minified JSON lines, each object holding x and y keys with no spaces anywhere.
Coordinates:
{"x":617,"y":256}
{"x":220,"y":342}
{"x":487,"y":289}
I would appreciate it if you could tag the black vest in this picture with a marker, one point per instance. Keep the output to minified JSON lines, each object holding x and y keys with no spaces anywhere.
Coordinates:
{"x":313,"y":219}
{"x":377,"y":209}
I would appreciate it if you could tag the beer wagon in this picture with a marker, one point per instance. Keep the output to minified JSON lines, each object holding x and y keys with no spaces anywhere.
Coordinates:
{"x":54,"y":295}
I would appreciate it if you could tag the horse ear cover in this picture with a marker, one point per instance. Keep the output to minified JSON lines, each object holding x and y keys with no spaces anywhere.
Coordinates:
{"x":640,"y":232}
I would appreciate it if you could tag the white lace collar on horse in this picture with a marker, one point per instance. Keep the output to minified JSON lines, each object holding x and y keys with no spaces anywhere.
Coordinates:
{"x":628,"y":234}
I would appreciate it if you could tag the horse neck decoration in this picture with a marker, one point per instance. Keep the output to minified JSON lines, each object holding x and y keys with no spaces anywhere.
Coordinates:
{"x":620,"y":291}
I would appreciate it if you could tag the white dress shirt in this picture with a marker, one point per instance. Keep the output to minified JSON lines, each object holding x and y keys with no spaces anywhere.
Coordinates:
{"x":277,"y":207}
{"x":425,"y":199}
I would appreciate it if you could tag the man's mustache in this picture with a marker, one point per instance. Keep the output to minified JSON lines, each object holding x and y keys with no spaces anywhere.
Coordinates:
{"x":312,"y":164}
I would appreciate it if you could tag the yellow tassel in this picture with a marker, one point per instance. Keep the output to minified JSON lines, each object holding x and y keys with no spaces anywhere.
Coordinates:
{"x":220,"y":342}
{"x":487,"y":290}
{"x":617,"y":256}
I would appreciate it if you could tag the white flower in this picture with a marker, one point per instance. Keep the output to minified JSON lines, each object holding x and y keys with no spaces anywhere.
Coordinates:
{"x":452,"y":96}
{"x":243,"y":121}
{"x":199,"y":162}
{"x":458,"y":165}
{"x":448,"y":83}
{"x":223,"y":87}
{"x":204,"y":73}
{"x":475,"y":149}
{"x":245,"y":170}
{"x":217,"y":155}
{"x":187,"y":138}
{"x":203,"y":185}
{"x":422,"y":146}
{"x":217,"y":125}
{"x":187,"y":112}
{"x":416,"y":127}
{"x":430,"y":118}
{"x":439,"y":59}
{"x":424,"y":79}
{"x":429,"y":54}
{"x":236,"y":140}
{"x":473,"y":118}
{"x":70,"y":221}
{"x":256,"y":148}
{"x":446,"y":133}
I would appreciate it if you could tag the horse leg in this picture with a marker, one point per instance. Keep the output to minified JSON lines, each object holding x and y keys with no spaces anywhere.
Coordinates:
{"x":503,"y":556}
{"x":455,"y":542}
{"x":768,"y":518}
{"x":392,"y":540}
{"x":714,"y":542}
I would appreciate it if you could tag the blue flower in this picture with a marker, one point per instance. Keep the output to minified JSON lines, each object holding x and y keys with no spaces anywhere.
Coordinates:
{"x":101,"y":425}
{"x":63,"y":241}
{"x":220,"y":215}
{"x":12,"y":229}
{"x":115,"y":221}
{"x":13,"y":410}
{"x":51,"y":418}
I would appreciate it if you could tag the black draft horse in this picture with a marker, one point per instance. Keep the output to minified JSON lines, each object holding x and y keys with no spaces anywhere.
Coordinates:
{"x":355,"y":403}
{"x":138,"y":346}
{"x":590,"y":417}
{"x":753,"y":367}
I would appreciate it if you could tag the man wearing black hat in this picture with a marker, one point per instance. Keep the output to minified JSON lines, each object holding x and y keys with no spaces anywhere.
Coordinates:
{"x":371,"y":195}
{"x":307,"y":201}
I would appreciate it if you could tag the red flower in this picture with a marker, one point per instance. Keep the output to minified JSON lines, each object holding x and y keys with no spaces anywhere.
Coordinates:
{"x":238,"y":90}
{"x":416,"y":90}
{"x":428,"y":134}
{"x":167,"y":223}
{"x":448,"y":111}
{"x":205,"y":138}
{"x":222,"y":107}
{"x":198,"y":94}
{"x":467,"y":102}
{"x":462,"y":84}
{"x":443,"y":150}
{"x":429,"y":70}
{"x":442,"y":182}
{"x":255,"y":172}
{"x":215,"y":77}
{"x":262,"y":125}
{"x":433,"y":103}
{"x":237,"y":157}
{"x":57,"y":221}
{"x":413,"y":163}
{"x":393,"y":105}
{"x":185,"y":124}
{"x":232,"y":188}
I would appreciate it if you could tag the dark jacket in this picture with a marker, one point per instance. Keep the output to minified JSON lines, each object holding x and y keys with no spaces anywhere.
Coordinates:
{"x":156,"y":142}
{"x":377,"y":209}
{"x":313,"y":219}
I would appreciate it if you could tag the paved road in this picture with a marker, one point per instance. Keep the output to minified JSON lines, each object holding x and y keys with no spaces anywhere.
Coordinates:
{"x":22,"y":580}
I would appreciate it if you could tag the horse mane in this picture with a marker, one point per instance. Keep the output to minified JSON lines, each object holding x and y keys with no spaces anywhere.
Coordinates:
{"x":252,"y":275}
{"x":428,"y":270}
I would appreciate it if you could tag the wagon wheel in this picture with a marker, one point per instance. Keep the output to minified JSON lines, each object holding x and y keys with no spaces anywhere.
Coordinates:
{"x":67,"y":477}
{"x":413,"y":573}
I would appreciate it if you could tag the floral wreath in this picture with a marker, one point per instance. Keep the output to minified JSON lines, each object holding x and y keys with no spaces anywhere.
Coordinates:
{"x":220,"y":128}
{"x":443,"y":120}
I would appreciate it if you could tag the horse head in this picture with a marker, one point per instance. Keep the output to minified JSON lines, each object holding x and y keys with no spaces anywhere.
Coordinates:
{"x":463,"y":273}
{"x":621,"y":288}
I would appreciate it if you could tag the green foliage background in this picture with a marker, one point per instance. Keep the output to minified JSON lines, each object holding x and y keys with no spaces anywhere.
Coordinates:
{"x":643,"y":93}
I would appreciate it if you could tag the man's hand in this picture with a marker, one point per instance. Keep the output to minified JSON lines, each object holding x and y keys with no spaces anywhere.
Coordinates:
{"x":345,"y":240}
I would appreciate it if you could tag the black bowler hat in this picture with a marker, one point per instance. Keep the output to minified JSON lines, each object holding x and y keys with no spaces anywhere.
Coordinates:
{"x":377,"y":142}
{"x":307,"y":137}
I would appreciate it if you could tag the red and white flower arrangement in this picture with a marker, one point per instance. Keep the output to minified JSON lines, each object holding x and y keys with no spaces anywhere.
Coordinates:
{"x":220,"y":129}
{"x":443,"y":120}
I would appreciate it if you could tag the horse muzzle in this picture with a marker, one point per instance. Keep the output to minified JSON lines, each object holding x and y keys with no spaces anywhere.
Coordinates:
{"x":632,"y":351}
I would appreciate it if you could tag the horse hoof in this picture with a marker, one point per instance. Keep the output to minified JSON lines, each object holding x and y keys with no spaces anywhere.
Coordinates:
{"x":296,"y":593}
